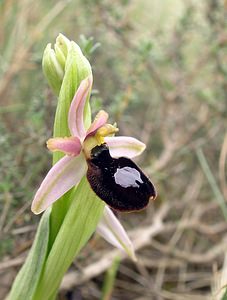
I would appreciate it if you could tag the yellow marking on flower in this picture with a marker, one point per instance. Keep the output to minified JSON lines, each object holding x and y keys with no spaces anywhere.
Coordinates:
{"x":88,"y":145}
{"x":98,"y":138}
{"x":106,"y":130}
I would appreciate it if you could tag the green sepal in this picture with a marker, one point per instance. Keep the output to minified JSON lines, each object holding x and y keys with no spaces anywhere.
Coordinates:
{"x":26,"y":282}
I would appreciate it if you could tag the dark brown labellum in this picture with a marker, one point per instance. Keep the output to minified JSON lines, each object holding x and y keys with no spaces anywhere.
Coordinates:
{"x":118,"y":181}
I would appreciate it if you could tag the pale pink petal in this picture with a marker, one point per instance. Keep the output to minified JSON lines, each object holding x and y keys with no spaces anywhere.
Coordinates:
{"x":76,"y":111}
{"x":111,"y":230}
{"x":100,"y":120}
{"x":124,"y":146}
{"x":66,"y":173}
{"x":68,"y":145}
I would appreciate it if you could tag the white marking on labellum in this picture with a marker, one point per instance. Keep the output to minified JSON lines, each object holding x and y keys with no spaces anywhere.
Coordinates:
{"x":127,"y":177}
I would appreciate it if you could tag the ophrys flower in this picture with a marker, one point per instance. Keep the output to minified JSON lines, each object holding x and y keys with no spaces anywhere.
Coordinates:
{"x":79,"y":153}
{"x":68,"y":171}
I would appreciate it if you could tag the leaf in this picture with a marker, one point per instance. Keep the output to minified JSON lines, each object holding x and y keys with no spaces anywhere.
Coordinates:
{"x":27,"y":279}
{"x":78,"y":226}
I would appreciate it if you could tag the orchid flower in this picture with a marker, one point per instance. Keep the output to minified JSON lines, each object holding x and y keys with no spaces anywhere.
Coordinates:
{"x":69,"y":170}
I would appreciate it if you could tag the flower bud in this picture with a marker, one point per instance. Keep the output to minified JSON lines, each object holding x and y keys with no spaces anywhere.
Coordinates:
{"x":63,"y":43}
{"x":60,"y":55}
{"x":52,"y":69}
{"x":66,"y":59}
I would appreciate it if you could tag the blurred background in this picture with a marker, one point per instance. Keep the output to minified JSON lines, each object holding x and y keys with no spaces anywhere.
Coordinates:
{"x":160,"y":70}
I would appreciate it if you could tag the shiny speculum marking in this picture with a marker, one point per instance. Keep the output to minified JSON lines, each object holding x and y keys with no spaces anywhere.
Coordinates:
{"x":118,"y":181}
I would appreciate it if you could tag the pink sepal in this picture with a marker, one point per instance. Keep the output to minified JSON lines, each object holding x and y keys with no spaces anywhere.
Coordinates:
{"x":65,"y":174}
{"x":124,"y":146}
{"x":68,"y":145}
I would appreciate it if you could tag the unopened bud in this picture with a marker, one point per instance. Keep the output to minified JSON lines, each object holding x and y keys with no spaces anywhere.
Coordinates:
{"x":52,"y":69}
{"x":63,"y":43}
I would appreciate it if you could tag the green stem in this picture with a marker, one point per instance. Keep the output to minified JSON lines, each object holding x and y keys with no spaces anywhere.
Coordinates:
{"x":110,"y":278}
